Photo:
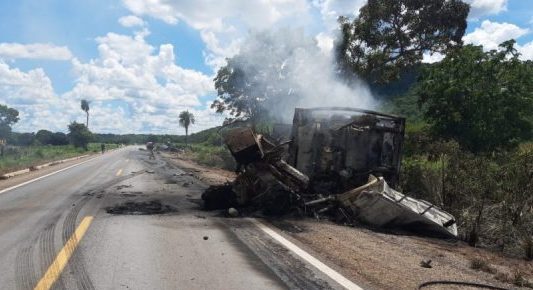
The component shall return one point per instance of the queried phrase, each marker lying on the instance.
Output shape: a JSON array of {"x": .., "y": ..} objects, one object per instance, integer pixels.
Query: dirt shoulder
[
  {"x": 210, "y": 176},
  {"x": 380, "y": 260}
]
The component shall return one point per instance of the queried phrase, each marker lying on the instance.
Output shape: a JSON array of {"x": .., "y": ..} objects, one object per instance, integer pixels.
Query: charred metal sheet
[
  {"x": 243, "y": 145},
  {"x": 281, "y": 132},
  {"x": 378, "y": 204},
  {"x": 264, "y": 176},
  {"x": 347, "y": 144}
]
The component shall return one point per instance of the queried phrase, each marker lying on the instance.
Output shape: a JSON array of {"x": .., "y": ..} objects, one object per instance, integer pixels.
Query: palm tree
[
  {"x": 85, "y": 107},
  {"x": 186, "y": 119}
]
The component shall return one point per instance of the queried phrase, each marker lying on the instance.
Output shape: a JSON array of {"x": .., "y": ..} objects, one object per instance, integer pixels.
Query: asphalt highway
[{"x": 124, "y": 221}]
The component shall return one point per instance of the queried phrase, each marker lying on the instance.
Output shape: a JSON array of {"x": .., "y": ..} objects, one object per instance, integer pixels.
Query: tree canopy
[
  {"x": 8, "y": 117},
  {"x": 274, "y": 72},
  {"x": 390, "y": 36},
  {"x": 46, "y": 137},
  {"x": 85, "y": 108},
  {"x": 79, "y": 135},
  {"x": 482, "y": 99},
  {"x": 186, "y": 119}
]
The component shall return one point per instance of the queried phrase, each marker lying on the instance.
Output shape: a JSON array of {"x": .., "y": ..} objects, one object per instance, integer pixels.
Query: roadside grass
[
  {"x": 217, "y": 156},
  {"x": 16, "y": 158}
]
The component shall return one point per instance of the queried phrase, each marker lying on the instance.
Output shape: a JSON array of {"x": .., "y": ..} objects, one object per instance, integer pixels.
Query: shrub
[
  {"x": 39, "y": 153},
  {"x": 482, "y": 265},
  {"x": 520, "y": 281},
  {"x": 527, "y": 244}
]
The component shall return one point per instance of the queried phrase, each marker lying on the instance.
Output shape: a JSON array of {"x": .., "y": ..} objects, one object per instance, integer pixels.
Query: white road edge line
[
  {"x": 44, "y": 176},
  {"x": 336, "y": 276}
]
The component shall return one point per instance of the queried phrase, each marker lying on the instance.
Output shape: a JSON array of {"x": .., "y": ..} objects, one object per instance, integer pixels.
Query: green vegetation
[
  {"x": 390, "y": 37},
  {"x": 481, "y": 99},
  {"x": 8, "y": 117},
  {"x": 490, "y": 195},
  {"x": 20, "y": 157},
  {"x": 85, "y": 107},
  {"x": 45, "y": 137},
  {"x": 209, "y": 155},
  {"x": 79, "y": 135},
  {"x": 469, "y": 134},
  {"x": 185, "y": 120}
]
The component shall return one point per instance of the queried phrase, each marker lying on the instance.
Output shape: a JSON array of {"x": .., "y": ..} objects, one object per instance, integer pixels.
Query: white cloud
[
  {"x": 34, "y": 51},
  {"x": 432, "y": 57},
  {"x": 24, "y": 86},
  {"x": 491, "y": 34},
  {"x": 486, "y": 7},
  {"x": 133, "y": 87},
  {"x": 154, "y": 8},
  {"x": 131, "y": 21},
  {"x": 136, "y": 87},
  {"x": 148, "y": 88},
  {"x": 331, "y": 10},
  {"x": 526, "y": 50},
  {"x": 223, "y": 24},
  {"x": 31, "y": 93}
]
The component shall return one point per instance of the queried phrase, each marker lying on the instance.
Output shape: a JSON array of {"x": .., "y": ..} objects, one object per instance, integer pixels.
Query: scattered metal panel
[{"x": 377, "y": 204}]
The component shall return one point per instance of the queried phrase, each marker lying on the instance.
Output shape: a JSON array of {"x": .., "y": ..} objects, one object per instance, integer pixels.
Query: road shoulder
[
  {"x": 381, "y": 259},
  {"x": 33, "y": 174}
]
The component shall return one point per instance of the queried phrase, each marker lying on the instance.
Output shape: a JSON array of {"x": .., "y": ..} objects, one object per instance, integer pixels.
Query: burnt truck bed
[{"x": 347, "y": 144}]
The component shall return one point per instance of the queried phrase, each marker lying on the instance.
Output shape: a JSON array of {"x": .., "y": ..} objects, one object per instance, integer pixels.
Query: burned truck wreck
[{"x": 336, "y": 163}]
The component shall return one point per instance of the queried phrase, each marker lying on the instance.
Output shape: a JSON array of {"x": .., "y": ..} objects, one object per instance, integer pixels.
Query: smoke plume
[{"x": 289, "y": 70}]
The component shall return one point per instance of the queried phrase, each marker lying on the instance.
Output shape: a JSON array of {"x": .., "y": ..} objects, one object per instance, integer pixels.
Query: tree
[
  {"x": 390, "y": 36},
  {"x": 79, "y": 135},
  {"x": 8, "y": 117},
  {"x": 481, "y": 99},
  {"x": 58, "y": 138},
  {"x": 185, "y": 120},
  {"x": 272, "y": 73},
  {"x": 44, "y": 137},
  {"x": 85, "y": 107}
]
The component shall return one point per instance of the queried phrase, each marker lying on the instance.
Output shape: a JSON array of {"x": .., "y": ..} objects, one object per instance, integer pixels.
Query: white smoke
[{"x": 292, "y": 71}]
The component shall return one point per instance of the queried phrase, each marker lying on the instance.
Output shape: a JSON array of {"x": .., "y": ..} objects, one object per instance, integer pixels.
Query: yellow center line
[
  {"x": 60, "y": 262},
  {"x": 119, "y": 172}
]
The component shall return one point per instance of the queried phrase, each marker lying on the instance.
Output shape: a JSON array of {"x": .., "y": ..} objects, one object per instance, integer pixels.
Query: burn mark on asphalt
[{"x": 151, "y": 207}]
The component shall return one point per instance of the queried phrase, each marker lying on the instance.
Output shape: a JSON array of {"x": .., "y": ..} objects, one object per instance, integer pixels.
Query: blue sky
[{"x": 141, "y": 62}]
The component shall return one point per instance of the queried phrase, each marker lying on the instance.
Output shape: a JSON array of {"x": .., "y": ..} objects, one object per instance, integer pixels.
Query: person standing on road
[
  {"x": 151, "y": 146},
  {"x": 103, "y": 147}
]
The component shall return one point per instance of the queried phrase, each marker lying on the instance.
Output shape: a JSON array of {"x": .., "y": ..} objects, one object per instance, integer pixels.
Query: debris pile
[{"x": 338, "y": 163}]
